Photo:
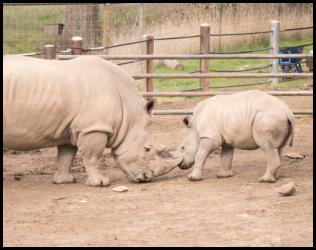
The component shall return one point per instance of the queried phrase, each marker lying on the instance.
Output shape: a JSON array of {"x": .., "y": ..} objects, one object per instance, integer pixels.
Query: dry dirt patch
[{"x": 170, "y": 211}]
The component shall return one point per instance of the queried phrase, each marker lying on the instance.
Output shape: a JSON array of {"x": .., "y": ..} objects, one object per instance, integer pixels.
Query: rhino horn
[
  {"x": 167, "y": 165},
  {"x": 160, "y": 148}
]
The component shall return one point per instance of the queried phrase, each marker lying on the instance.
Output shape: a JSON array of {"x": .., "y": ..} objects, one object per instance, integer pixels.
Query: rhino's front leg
[
  {"x": 206, "y": 147},
  {"x": 92, "y": 146},
  {"x": 65, "y": 155},
  {"x": 226, "y": 162}
]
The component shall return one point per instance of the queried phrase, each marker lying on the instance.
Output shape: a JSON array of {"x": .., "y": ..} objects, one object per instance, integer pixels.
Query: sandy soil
[{"x": 169, "y": 211}]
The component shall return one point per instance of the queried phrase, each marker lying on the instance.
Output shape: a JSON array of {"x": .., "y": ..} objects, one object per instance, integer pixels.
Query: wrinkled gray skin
[
  {"x": 246, "y": 120},
  {"x": 84, "y": 104}
]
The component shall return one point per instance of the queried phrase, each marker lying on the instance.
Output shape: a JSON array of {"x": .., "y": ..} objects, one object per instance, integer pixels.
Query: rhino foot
[
  {"x": 195, "y": 176},
  {"x": 63, "y": 178},
  {"x": 225, "y": 173},
  {"x": 270, "y": 179},
  {"x": 98, "y": 181}
]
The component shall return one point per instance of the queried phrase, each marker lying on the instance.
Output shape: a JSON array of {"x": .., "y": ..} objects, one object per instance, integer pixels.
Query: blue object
[{"x": 291, "y": 64}]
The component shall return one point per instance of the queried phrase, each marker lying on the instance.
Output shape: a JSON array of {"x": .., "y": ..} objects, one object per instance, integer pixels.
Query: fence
[
  {"x": 205, "y": 37},
  {"x": 204, "y": 55}
]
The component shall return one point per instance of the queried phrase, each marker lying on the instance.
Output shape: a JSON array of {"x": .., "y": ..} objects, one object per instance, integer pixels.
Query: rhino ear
[
  {"x": 149, "y": 105},
  {"x": 186, "y": 121}
]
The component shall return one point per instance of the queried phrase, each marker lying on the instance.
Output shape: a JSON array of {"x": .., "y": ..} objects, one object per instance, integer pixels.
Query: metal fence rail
[
  {"x": 241, "y": 52},
  {"x": 293, "y": 29},
  {"x": 175, "y": 37},
  {"x": 242, "y": 33},
  {"x": 31, "y": 54}
]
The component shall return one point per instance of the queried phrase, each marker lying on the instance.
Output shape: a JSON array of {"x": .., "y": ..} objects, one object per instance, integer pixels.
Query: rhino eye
[
  {"x": 182, "y": 147},
  {"x": 147, "y": 148}
]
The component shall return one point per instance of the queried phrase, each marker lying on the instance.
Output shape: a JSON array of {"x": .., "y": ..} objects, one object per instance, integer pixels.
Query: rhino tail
[{"x": 291, "y": 128}]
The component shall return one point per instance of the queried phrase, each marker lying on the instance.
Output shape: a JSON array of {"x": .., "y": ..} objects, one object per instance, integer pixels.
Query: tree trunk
[{"x": 80, "y": 20}]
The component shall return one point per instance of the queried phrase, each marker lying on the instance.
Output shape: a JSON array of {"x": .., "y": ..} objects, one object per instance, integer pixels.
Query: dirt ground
[{"x": 170, "y": 210}]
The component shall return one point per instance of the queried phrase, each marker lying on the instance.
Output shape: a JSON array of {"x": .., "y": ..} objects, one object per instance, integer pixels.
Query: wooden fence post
[
  {"x": 76, "y": 45},
  {"x": 149, "y": 62},
  {"x": 49, "y": 51},
  {"x": 274, "y": 44},
  {"x": 204, "y": 49}
]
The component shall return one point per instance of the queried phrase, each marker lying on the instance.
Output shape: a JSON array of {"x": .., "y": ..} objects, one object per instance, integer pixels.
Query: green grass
[
  {"x": 230, "y": 64},
  {"x": 23, "y": 27}
]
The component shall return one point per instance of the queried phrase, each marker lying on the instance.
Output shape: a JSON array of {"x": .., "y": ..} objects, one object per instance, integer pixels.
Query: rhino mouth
[
  {"x": 144, "y": 177},
  {"x": 184, "y": 165}
]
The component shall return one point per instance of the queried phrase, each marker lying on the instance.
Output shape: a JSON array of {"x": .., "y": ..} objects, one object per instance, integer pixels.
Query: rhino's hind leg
[
  {"x": 274, "y": 162},
  {"x": 65, "y": 155},
  {"x": 92, "y": 146},
  {"x": 206, "y": 147},
  {"x": 269, "y": 132},
  {"x": 226, "y": 162}
]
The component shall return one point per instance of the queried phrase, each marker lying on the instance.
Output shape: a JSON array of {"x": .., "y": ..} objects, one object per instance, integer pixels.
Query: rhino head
[
  {"x": 140, "y": 158},
  {"x": 189, "y": 145}
]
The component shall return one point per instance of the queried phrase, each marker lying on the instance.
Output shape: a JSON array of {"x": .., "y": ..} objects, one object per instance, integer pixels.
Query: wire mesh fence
[{"x": 28, "y": 27}]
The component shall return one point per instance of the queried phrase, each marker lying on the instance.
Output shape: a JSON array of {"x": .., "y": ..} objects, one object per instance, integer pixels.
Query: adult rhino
[
  {"x": 246, "y": 120},
  {"x": 86, "y": 103}
]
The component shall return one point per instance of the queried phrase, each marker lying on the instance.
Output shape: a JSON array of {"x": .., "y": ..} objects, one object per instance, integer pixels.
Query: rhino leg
[
  {"x": 226, "y": 162},
  {"x": 269, "y": 132},
  {"x": 206, "y": 147},
  {"x": 274, "y": 162},
  {"x": 91, "y": 146},
  {"x": 65, "y": 155}
]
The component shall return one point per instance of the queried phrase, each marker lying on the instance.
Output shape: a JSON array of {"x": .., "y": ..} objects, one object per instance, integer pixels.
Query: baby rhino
[{"x": 246, "y": 120}]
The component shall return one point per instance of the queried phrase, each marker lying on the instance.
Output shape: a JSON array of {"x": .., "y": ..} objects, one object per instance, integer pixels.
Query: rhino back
[
  {"x": 232, "y": 116},
  {"x": 48, "y": 102}
]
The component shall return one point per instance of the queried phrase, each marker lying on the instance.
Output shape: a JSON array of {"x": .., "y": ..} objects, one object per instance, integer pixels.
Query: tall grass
[{"x": 168, "y": 20}]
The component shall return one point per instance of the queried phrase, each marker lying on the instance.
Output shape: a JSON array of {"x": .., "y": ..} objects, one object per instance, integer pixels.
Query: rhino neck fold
[{"x": 127, "y": 135}]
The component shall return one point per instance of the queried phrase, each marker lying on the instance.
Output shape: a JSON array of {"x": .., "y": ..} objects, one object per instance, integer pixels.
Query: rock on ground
[
  {"x": 120, "y": 189},
  {"x": 287, "y": 189}
]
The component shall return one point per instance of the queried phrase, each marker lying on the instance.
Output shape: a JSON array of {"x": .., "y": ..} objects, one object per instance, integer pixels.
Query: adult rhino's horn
[
  {"x": 175, "y": 161},
  {"x": 168, "y": 165},
  {"x": 174, "y": 154},
  {"x": 161, "y": 147},
  {"x": 163, "y": 150}
]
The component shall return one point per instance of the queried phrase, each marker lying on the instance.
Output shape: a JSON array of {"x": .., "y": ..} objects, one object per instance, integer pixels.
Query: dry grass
[
  {"x": 24, "y": 32},
  {"x": 168, "y": 20},
  {"x": 165, "y": 20}
]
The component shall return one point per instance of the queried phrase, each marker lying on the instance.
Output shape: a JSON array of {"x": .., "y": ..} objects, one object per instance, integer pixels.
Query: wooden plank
[
  {"x": 205, "y": 56},
  {"x": 190, "y": 112},
  {"x": 222, "y": 75},
  {"x": 195, "y": 94}
]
